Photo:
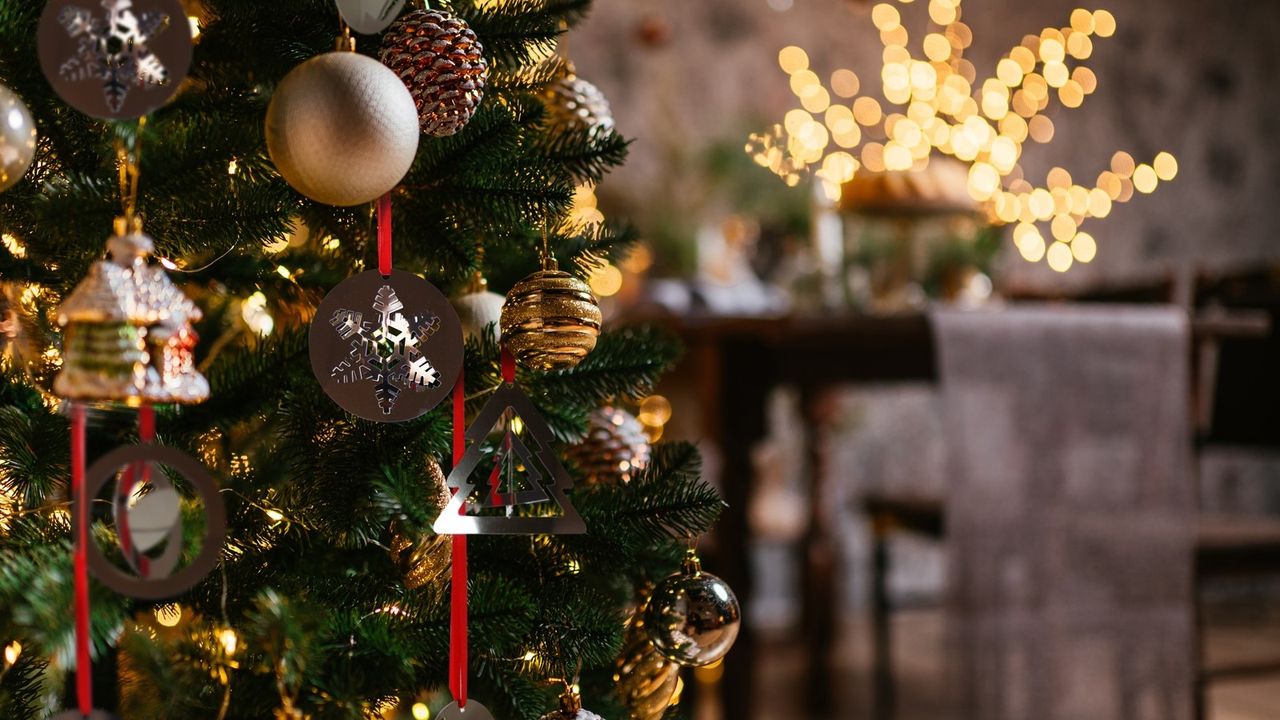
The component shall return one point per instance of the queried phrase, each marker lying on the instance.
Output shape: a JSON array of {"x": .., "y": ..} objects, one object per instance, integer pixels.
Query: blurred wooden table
[{"x": 735, "y": 363}]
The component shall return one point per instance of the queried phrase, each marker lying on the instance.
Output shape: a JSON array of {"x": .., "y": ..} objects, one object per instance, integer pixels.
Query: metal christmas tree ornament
[
  {"x": 115, "y": 59},
  {"x": 472, "y": 711},
  {"x": 17, "y": 138},
  {"x": 370, "y": 17},
  {"x": 525, "y": 486},
  {"x": 387, "y": 349},
  {"x": 151, "y": 519},
  {"x": 693, "y": 617}
]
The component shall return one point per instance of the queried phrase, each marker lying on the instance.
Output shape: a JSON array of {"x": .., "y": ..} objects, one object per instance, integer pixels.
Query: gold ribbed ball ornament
[
  {"x": 615, "y": 447},
  {"x": 551, "y": 320},
  {"x": 426, "y": 559},
  {"x": 693, "y": 617},
  {"x": 17, "y": 138},
  {"x": 342, "y": 129},
  {"x": 442, "y": 63},
  {"x": 644, "y": 680},
  {"x": 575, "y": 104}
]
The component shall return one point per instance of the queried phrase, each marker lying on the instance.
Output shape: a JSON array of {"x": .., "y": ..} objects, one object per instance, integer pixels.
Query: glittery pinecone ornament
[
  {"x": 575, "y": 104},
  {"x": 429, "y": 557},
  {"x": 644, "y": 680},
  {"x": 442, "y": 63},
  {"x": 614, "y": 449}
]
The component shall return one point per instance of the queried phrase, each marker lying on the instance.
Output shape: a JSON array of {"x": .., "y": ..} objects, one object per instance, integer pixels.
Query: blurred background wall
[{"x": 689, "y": 79}]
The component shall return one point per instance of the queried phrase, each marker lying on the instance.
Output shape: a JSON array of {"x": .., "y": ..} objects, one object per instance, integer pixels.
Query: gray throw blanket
[{"x": 1071, "y": 512}]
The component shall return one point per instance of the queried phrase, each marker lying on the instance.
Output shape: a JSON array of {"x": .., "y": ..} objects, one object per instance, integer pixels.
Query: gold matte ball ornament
[
  {"x": 551, "y": 320},
  {"x": 342, "y": 129}
]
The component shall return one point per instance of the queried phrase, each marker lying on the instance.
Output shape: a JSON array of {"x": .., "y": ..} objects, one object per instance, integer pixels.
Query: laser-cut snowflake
[
  {"x": 389, "y": 353},
  {"x": 114, "y": 48}
]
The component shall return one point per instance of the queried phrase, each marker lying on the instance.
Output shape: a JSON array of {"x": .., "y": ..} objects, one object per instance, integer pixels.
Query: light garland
[{"x": 986, "y": 125}]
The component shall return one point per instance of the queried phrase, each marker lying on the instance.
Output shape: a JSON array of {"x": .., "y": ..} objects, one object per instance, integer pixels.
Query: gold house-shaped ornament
[{"x": 128, "y": 332}]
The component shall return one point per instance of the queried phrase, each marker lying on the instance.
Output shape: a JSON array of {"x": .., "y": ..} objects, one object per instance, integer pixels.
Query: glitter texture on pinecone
[
  {"x": 442, "y": 63},
  {"x": 576, "y": 104},
  {"x": 614, "y": 449}
]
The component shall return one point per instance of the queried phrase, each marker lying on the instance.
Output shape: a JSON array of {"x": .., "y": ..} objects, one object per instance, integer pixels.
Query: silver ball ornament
[
  {"x": 342, "y": 129},
  {"x": 693, "y": 617},
  {"x": 17, "y": 139}
]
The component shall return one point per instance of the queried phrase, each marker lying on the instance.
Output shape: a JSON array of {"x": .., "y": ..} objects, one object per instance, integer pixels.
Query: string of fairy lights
[{"x": 935, "y": 103}]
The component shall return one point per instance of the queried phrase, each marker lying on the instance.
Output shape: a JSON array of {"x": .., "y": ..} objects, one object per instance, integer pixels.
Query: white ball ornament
[
  {"x": 342, "y": 129},
  {"x": 479, "y": 309}
]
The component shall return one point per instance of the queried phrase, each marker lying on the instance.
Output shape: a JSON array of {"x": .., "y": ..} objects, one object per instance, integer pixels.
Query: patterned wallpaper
[{"x": 1195, "y": 78}]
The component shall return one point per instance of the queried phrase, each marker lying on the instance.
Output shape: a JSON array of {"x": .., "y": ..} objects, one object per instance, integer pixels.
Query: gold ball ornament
[
  {"x": 428, "y": 558},
  {"x": 693, "y": 617},
  {"x": 644, "y": 680},
  {"x": 342, "y": 129},
  {"x": 614, "y": 449},
  {"x": 17, "y": 139},
  {"x": 442, "y": 63},
  {"x": 551, "y": 320}
]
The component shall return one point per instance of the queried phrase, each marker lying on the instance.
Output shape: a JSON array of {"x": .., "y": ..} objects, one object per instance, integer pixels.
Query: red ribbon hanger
[
  {"x": 384, "y": 235},
  {"x": 458, "y": 599},
  {"x": 82, "y": 517}
]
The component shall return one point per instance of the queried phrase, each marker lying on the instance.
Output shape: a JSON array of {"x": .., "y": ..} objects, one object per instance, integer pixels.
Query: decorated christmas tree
[{"x": 237, "y": 169}]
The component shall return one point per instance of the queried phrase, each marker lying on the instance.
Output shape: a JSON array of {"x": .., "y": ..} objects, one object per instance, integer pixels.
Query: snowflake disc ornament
[
  {"x": 386, "y": 349},
  {"x": 115, "y": 59}
]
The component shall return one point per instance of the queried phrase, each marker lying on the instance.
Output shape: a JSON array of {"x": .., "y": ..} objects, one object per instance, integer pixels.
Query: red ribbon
[
  {"x": 384, "y": 235},
  {"x": 458, "y": 597},
  {"x": 84, "y": 668},
  {"x": 508, "y": 367},
  {"x": 139, "y": 473},
  {"x": 80, "y": 558}
]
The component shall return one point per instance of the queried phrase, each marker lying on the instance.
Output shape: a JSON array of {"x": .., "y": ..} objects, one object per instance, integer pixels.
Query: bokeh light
[{"x": 932, "y": 102}]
